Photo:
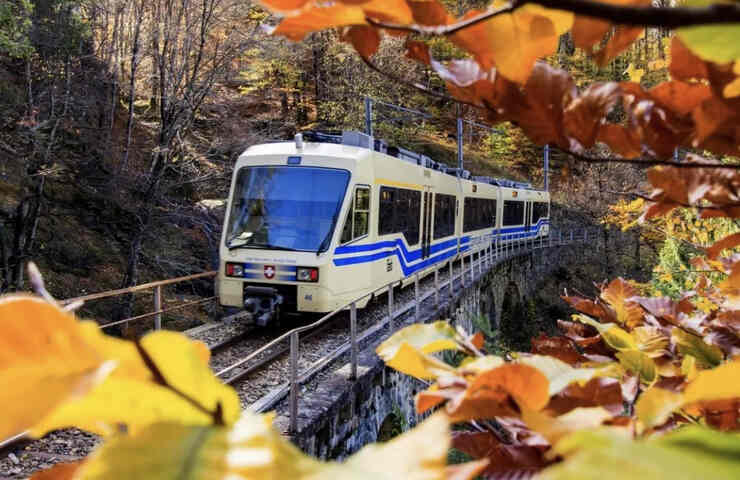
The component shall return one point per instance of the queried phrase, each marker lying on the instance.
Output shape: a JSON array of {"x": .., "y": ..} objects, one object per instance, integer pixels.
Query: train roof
[
  {"x": 358, "y": 139},
  {"x": 366, "y": 142}
]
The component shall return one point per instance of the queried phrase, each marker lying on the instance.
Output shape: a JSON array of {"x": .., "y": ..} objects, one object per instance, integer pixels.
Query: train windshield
[{"x": 286, "y": 208}]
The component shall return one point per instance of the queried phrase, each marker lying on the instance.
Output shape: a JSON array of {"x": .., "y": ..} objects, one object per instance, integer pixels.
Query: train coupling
[{"x": 262, "y": 303}]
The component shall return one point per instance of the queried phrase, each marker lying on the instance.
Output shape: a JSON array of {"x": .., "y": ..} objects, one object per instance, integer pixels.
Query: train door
[
  {"x": 426, "y": 231},
  {"x": 527, "y": 217}
]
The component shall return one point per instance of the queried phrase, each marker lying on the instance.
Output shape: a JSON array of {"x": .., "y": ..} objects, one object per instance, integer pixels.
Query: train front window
[{"x": 286, "y": 208}]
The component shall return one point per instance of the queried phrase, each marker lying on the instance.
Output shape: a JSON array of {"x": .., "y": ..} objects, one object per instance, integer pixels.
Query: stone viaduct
[{"x": 337, "y": 415}]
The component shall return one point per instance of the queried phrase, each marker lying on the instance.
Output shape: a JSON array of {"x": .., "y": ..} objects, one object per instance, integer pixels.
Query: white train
[{"x": 313, "y": 225}]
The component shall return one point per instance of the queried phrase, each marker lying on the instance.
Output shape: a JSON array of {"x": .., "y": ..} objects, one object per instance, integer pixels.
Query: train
[{"x": 315, "y": 223}]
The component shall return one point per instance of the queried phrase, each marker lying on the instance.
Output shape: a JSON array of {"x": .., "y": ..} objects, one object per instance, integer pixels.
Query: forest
[{"x": 120, "y": 124}]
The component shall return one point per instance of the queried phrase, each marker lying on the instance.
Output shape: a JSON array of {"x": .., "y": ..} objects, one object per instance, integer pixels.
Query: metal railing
[
  {"x": 498, "y": 249},
  {"x": 157, "y": 287}
]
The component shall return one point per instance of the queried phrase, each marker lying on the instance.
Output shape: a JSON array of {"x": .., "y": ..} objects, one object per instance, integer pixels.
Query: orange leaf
[
  {"x": 617, "y": 294},
  {"x": 60, "y": 471},
  {"x": 622, "y": 38},
  {"x": 730, "y": 241},
  {"x": 498, "y": 392},
  {"x": 365, "y": 39},
  {"x": 283, "y": 6},
  {"x": 684, "y": 64},
  {"x": 319, "y": 18}
]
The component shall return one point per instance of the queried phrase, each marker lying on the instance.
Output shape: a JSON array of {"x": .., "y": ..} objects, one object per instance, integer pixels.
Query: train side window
[
  {"x": 356, "y": 223},
  {"x": 478, "y": 213},
  {"x": 400, "y": 212},
  {"x": 386, "y": 210},
  {"x": 444, "y": 215},
  {"x": 513, "y": 212},
  {"x": 539, "y": 210}
]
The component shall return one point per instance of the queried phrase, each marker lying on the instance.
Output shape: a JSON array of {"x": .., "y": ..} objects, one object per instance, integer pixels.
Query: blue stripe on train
[{"x": 404, "y": 256}]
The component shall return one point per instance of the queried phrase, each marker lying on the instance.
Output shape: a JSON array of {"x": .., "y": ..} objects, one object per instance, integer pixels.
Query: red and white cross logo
[{"x": 269, "y": 271}]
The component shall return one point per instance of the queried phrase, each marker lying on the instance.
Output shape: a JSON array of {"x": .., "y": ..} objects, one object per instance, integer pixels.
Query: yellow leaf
[
  {"x": 405, "y": 350},
  {"x": 656, "y": 405},
  {"x": 558, "y": 373},
  {"x": 687, "y": 454},
  {"x": 411, "y": 361},
  {"x": 252, "y": 449},
  {"x": 688, "y": 367},
  {"x": 640, "y": 364},
  {"x": 44, "y": 361},
  {"x": 554, "y": 428},
  {"x": 512, "y": 42},
  {"x": 614, "y": 336},
  {"x": 706, "y": 355},
  {"x": 127, "y": 398},
  {"x": 651, "y": 341},
  {"x": 720, "y": 383},
  {"x": 480, "y": 364},
  {"x": 634, "y": 74}
]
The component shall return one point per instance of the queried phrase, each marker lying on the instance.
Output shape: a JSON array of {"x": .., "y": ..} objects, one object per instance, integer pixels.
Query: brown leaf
[
  {"x": 365, "y": 39},
  {"x": 684, "y": 64},
  {"x": 598, "y": 392},
  {"x": 722, "y": 414},
  {"x": 512, "y": 461},
  {"x": 584, "y": 115},
  {"x": 730, "y": 241},
  {"x": 429, "y": 12},
  {"x": 561, "y": 348},
  {"x": 680, "y": 97},
  {"x": 418, "y": 51},
  {"x": 621, "y": 38},
  {"x": 621, "y": 140}
]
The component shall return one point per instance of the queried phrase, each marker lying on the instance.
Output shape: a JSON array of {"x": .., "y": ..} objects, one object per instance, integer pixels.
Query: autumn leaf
[
  {"x": 365, "y": 39},
  {"x": 60, "y": 471},
  {"x": 555, "y": 428},
  {"x": 687, "y": 343},
  {"x": 559, "y": 374},
  {"x": 512, "y": 42},
  {"x": 730, "y": 241},
  {"x": 504, "y": 460},
  {"x": 618, "y": 294},
  {"x": 597, "y": 392},
  {"x": 640, "y": 364},
  {"x": 684, "y": 64},
  {"x": 500, "y": 392},
  {"x": 192, "y": 394},
  {"x": 716, "y": 43},
  {"x": 318, "y": 16},
  {"x": 253, "y": 449},
  {"x": 710, "y": 386},
  {"x": 406, "y": 349},
  {"x": 615, "y": 337},
  {"x": 687, "y": 454},
  {"x": 46, "y": 365}
]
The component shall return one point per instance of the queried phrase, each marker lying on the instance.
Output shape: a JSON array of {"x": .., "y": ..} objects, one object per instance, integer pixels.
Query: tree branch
[
  {"x": 415, "y": 85},
  {"x": 619, "y": 14},
  {"x": 650, "y": 162}
]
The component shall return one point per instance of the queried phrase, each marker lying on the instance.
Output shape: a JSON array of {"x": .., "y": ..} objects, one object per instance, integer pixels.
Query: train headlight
[
  {"x": 307, "y": 274},
  {"x": 234, "y": 270}
]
